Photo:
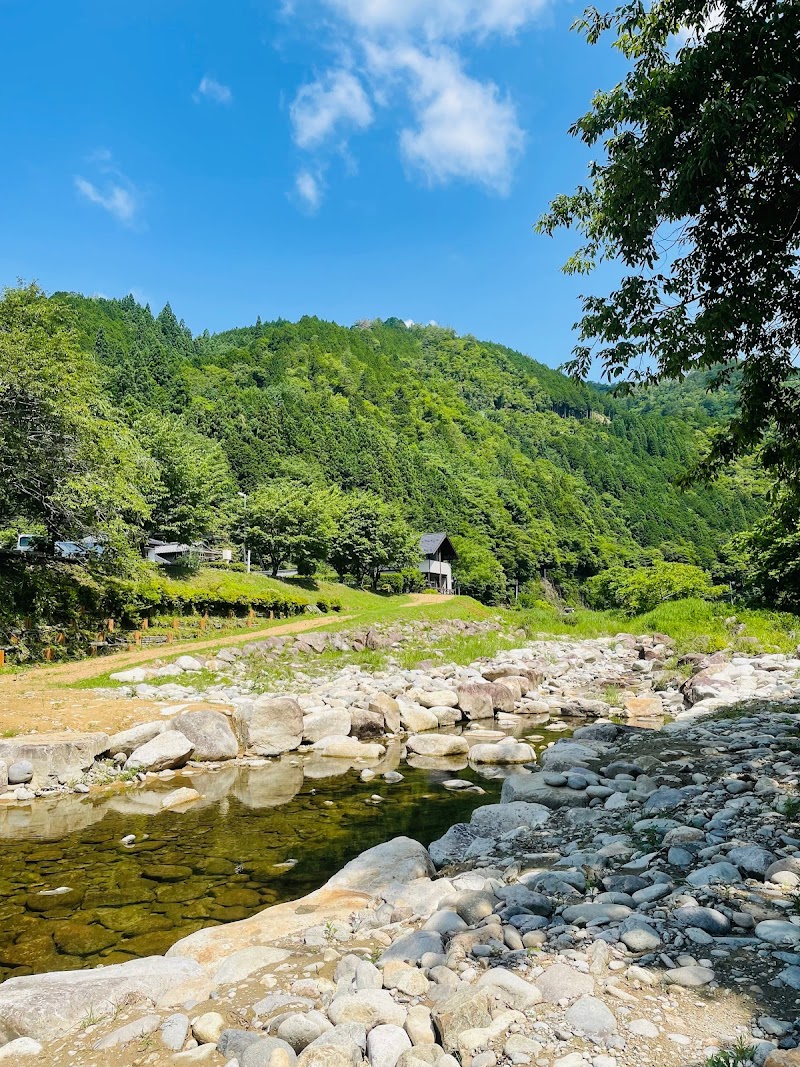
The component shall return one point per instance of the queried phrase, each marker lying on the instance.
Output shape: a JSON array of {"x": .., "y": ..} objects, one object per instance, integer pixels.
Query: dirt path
[{"x": 39, "y": 699}]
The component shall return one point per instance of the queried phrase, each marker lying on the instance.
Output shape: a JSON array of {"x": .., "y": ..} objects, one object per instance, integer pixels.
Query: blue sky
[{"x": 343, "y": 158}]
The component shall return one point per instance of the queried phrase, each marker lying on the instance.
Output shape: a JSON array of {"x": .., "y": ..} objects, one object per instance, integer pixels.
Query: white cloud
[
  {"x": 309, "y": 189},
  {"x": 694, "y": 34},
  {"x": 463, "y": 128},
  {"x": 325, "y": 107},
  {"x": 118, "y": 201},
  {"x": 438, "y": 19},
  {"x": 211, "y": 89},
  {"x": 403, "y": 55}
]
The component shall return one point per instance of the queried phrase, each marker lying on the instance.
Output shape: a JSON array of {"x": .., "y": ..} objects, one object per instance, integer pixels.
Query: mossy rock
[
  {"x": 79, "y": 939},
  {"x": 167, "y": 872},
  {"x": 237, "y": 898},
  {"x": 214, "y": 866},
  {"x": 133, "y": 893},
  {"x": 229, "y": 915},
  {"x": 180, "y": 893},
  {"x": 132, "y": 920},
  {"x": 152, "y": 944},
  {"x": 36, "y": 951},
  {"x": 47, "y": 901}
]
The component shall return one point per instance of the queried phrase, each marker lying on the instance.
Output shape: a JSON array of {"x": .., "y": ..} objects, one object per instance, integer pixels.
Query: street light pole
[{"x": 245, "y": 549}]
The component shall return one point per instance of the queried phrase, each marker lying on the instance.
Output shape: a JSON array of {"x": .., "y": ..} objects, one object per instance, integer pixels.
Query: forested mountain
[{"x": 464, "y": 435}]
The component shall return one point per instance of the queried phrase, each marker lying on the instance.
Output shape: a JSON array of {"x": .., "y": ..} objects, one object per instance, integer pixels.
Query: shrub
[
  {"x": 640, "y": 589},
  {"x": 390, "y": 582}
]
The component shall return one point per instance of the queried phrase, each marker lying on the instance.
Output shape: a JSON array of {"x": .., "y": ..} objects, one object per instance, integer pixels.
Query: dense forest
[{"x": 548, "y": 475}]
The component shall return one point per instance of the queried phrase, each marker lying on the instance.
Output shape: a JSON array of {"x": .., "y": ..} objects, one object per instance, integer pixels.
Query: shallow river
[{"x": 260, "y": 836}]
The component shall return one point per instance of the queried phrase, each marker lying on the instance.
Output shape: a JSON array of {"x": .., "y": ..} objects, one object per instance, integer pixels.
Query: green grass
[{"x": 695, "y": 626}]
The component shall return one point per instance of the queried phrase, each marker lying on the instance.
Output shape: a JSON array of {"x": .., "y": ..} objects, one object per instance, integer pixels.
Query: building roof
[{"x": 431, "y": 543}]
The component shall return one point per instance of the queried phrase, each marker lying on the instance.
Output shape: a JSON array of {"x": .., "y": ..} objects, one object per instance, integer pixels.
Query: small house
[{"x": 437, "y": 554}]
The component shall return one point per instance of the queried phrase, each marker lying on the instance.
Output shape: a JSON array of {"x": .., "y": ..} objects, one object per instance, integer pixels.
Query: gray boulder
[
  {"x": 128, "y": 740},
  {"x": 564, "y": 755},
  {"x": 210, "y": 733},
  {"x": 165, "y": 751},
  {"x": 476, "y": 700},
  {"x": 269, "y": 725},
  {"x": 534, "y": 789},
  {"x": 63, "y": 756},
  {"x": 590, "y": 1017},
  {"x": 398, "y": 860}
]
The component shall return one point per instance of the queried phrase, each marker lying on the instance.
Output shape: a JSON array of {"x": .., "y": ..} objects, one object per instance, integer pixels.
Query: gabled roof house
[{"x": 437, "y": 554}]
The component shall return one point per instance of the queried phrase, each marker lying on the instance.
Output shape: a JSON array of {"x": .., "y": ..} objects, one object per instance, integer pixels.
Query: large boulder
[
  {"x": 564, "y": 755},
  {"x": 508, "y": 751},
  {"x": 325, "y": 723},
  {"x": 165, "y": 751},
  {"x": 399, "y": 860},
  {"x": 127, "y": 740},
  {"x": 476, "y": 700},
  {"x": 47, "y": 1006},
  {"x": 269, "y": 725},
  {"x": 365, "y": 723},
  {"x": 416, "y": 718},
  {"x": 534, "y": 789},
  {"x": 63, "y": 756},
  {"x": 386, "y": 705},
  {"x": 347, "y": 748},
  {"x": 437, "y": 745},
  {"x": 434, "y": 698},
  {"x": 493, "y": 820},
  {"x": 210, "y": 733}
]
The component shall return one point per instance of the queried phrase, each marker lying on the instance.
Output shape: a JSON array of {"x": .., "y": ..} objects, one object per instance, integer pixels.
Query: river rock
[
  {"x": 492, "y": 820},
  {"x": 269, "y": 725},
  {"x": 690, "y": 977},
  {"x": 210, "y": 733},
  {"x": 365, "y": 723},
  {"x": 326, "y": 723},
  {"x": 778, "y": 932},
  {"x": 437, "y": 744},
  {"x": 46, "y": 1006},
  {"x": 468, "y": 1009},
  {"x": 534, "y": 789},
  {"x": 180, "y": 798},
  {"x": 590, "y": 1017},
  {"x": 399, "y": 860},
  {"x": 128, "y": 740},
  {"x": 63, "y": 756},
  {"x": 386, "y": 705},
  {"x": 347, "y": 748},
  {"x": 386, "y": 1044},
  {"x": 166, "y": 750},
  {"x": 564, "y": 755},
  {"x": 415, "y": 718},
  {"x": 20, "y": 1048},
  {"x": 562, "y": 982},
  {"x": 508, "y": 751},
  {"x": 476, "y": 700},
  {"x": 447, "y": 698},
  {"x": 20, "y": 772},
  {"x": 369, "y": 1007}
]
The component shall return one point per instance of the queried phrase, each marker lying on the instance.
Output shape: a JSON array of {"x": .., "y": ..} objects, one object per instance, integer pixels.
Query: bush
[
  {"x": 391, "y": 582},
  {"x": 413, "y": 580},
  {"x": 639, "y": 589}
]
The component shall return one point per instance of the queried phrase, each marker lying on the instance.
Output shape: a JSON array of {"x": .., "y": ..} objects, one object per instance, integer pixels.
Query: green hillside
[{"x": 464, "y": 435}]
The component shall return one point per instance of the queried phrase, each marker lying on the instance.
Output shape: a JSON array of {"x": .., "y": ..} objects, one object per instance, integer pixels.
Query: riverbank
[{"x": 631, "y": 900}]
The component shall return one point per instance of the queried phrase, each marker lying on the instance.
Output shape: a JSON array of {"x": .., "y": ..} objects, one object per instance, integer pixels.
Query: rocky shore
[{"x": 632, "y": 901}]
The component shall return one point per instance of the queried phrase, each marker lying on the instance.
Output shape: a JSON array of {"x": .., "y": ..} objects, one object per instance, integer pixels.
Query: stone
[
  {"x": 20, "y": 772},
  {"x": 640, "y": 938},
  {"x": 400, "y": 860},
  {"x": 643, "y": 1028},
  {"x": 325, "y": 1053},
  {"x": 446, "y": 698},
  {"x": 468, "y": 1009},
  {"x": 386, "y": 705},
  {"x": 128, "y": 740},
  {"x": 46, "y": 1006},
  {"x": 210, "y": 733},
  {"x": 386, "y": 1044},
  {"x": 663, "y": 799},
  {"x": 180, "y": 798},
  {"x": 269, "y": 726},
  {"x": 437, "y": 744},
  {"x": 508, "y": 987},
  {"x": 564, "y": 755},
  {"x": 590, "y": 1017},
  {"x": 63, "y": 756},
  {"x": 174, "y": 1031},
  {"x": 324, "y": 723},
  {"x": 347, "y": 748},
  {"x": 492, "y": 820},
  {"x": 415, "y": 718},
  {"x": 534, "y": 789},
  {"x": 476, "y": 700},
  {"x": 130, "y": 1032},
  {"x": 690, "y": 977},
  {"x": 300, "y": 1030},
  {"x": 783, "y": 1058},
  {"x": 369, "y": 1007},
  {"x": 508, "y": 751},
  {"x": 752, "y": 860},
  {"x": 562, "y": 982},
  {"x": 208, "y": 1027},
  {"x": 20, "y": 1048},
  {"x": 365, "y": 723},
  {"x": 413, "y": 946},
  {"x": 778, "y": 932},
  {"x": 419, "y": 1025},
  {"x": 708, "y": 919},
  {"x": 165, "y": 751},
  {"x": 714, "y": 874},
  {"x": 267, "y": 1052},
  {"x": 233, "y": 1043}
]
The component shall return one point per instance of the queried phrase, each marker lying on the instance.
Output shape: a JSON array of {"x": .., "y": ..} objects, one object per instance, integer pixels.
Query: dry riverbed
[{"x": 632, "y": 900}]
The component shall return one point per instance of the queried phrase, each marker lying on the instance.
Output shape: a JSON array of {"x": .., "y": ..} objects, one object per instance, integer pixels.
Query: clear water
[{"x": 221, "y": 860}]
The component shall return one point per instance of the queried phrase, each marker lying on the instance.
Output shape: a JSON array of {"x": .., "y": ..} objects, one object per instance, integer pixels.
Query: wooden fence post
[{"x": 2, "y": 657}]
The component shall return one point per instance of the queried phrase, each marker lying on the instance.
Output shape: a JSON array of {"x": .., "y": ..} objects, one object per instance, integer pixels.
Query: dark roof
[{"x": 430, "y": 543}]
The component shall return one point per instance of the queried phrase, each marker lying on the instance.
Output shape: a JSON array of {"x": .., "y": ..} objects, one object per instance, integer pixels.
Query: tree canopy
[{"x": 696, "y": 195}]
